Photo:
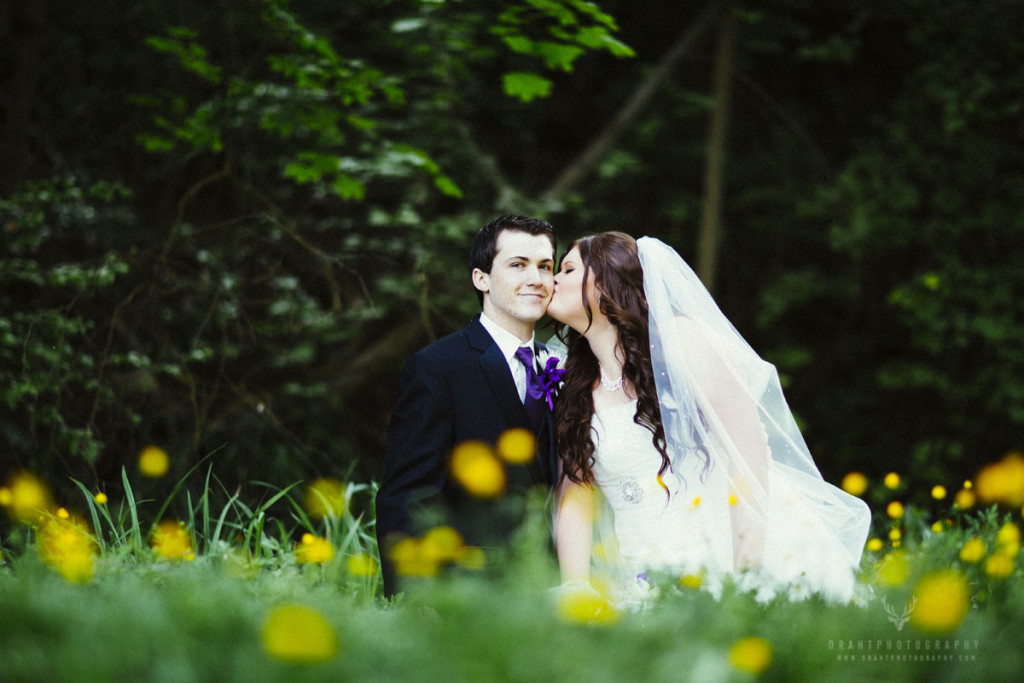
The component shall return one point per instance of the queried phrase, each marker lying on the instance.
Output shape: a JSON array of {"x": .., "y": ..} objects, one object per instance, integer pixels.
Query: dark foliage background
[{"x": 226, "y": 225}]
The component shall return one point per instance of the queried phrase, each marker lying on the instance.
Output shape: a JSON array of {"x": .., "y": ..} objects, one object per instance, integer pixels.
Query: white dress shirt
[{"x": 509, "y": 344}]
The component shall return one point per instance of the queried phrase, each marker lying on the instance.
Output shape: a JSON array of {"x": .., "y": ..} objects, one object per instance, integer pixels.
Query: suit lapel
[{"x": 495, "y": 369}]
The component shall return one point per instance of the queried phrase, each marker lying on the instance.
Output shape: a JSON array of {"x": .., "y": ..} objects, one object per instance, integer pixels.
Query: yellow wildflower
[
  {"x": 895, "y": 534},
  {"x": 471, "y": 557},
  {"x": 892, "y": 480},
  {"x": 154, "y": 462},
  {"x": 325, "y": 497},
  {"x": 938, "y": 492},
  {"x": 361, "y": 565},
  {"x": 478, "y": 471},
  {"x": 1000, "y": 565},
  {"x": 1002, "y": 482},
  {"x": 943, "y": 599},
  {"x": 441, "y": 544},
  {"x": 893, "y": 569},
  {"x": 875, "y": 544},
  {"x": 1008, "y": 539},
  {"x": 517, "y": 446},
  {"x": 691, "y": 581},
  {"x": 938, "y": 527},
  {"x": 409, "y": 559},
  {"x": 964, "y": 499},
  {"x": 894, "y": 509},
  {"x": 100, "y": 498},
  {"x": 855, "y": 483},
  {"x": 973, "y": 550},
  {"x": 27, "y": 497},
  {"x": 172, "y": 541},
  {"x": 68, "y": 546},
  {"x": 751, "y": 654},
  {"x": 299, "y": 634},
  {"x": 314, "y": 550},
  {"x": 586, "y": 606}
]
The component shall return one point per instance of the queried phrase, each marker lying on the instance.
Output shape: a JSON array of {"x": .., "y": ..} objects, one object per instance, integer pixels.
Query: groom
[{"x": 471, "y": 385}]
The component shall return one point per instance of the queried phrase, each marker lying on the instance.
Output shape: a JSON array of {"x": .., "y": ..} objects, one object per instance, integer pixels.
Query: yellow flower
[
  {"x": 100, "y": 498},
  {"x": 964, "y": 499},
  {"x": 751, "y": 654},
  {"x": 1008, "y": 539},
  {"x": 943, "y": 599},
  {"x": 586, "y": 606},
  {"x": 893, "y": 569},
  {"x": 154, "y": 462},
  {"x": 696, "y": 501},
  {"x": 1002, "y": 482},
  {"x": 892, "y": 480},
  {"x": 441, "y": 544},
  {"x": 855, "y": 483},
  {"x": 895, "y": 534},
  {"x": 362, "y": 565},
  {"x": 409, "y": 559},
  {"x": 938, "y": 492},
  {"x": 299, "y": 634},
  {"x": 973, "y": 550},
  {"x": 27, "y": 497},
  {"x": 171, "y": 541},
  {"x": 691, "y": 581},
  {"x": 314, "y": 550},
  {"x": 938, "y": 527},
  {"x": 968, "y": 484},
  {"x": 875, "y": 544},
  {"x": 517, "y": 446},
  {"x": 325, "y": 497},
  {"x": 68, "y": 546},
  {"x": 477, "y": 470},
  {"x": 894, "y": 509},
  {"x": 471, "y": 557},
  {"x": 1000, "y": 565}
]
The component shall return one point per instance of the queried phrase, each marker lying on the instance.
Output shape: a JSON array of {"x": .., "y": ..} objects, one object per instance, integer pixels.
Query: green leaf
[
  {"x": 448, "y": 186},
  {"x": 348, "y": 187},
  {"x": 526, "y": 86}
]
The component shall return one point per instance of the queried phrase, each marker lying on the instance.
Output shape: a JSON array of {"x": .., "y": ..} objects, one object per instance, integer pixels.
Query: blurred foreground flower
[
  {"x": 299, "y": 634},
  {"x": 875, "y": 544},
  {"x": 172, "y": 541},
  {"x": 581, "y": 604},
  {"x": 361, "y": 565},
  {"x": 314, "y": 550},
  {"x": 517, "y": 446},
  {"x": 892, "y": 480},
  {"x": 1008, "y": 539},
  {"x": 973, "y": 550},
  {"x": 752, "y": 655},
  {"x": 894, "y": 509},
  {"x": 427, "y": 555},
  {"x": 27, "y": 497},
  {"x": 938, "y": 492},
  {"x": 154, "y": 462},
  {"x": 943, "y": 599},
  {"x": 1000, "y": 565},
  {"x": 855, "y": 483},
  {"x": 964, "y": 499},
  {"x": 68, "y": 546},
  {"x": 1002, "y": 482},
  {"x": 476, "y": 468},
  {"x": 893, "y": 569},
  {"x": 325, "y": 497}
]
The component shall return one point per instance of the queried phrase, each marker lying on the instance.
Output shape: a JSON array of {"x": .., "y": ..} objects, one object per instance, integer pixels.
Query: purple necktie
[{"x": 534, "y": 401}]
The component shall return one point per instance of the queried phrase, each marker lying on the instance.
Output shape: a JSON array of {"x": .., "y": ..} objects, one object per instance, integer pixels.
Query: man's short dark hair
[{"x": 485, "y": 244}]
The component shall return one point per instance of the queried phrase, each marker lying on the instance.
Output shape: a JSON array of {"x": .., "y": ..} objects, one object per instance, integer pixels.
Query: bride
[{"x": 678, "y": 451}]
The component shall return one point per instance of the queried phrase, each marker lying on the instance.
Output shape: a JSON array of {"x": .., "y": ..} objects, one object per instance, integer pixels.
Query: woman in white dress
[{"x": 675, "y": 433}]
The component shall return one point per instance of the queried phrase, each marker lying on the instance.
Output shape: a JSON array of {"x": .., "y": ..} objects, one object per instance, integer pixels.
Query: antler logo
[{"x": 902, "y": 618}]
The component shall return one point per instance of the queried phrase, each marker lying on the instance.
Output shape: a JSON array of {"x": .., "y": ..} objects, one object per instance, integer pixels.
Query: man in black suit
[{"x": 471, "y": 385}]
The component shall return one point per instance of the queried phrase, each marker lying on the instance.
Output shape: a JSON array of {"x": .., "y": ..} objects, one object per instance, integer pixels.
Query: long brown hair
[{"x": 611, "y": 259}]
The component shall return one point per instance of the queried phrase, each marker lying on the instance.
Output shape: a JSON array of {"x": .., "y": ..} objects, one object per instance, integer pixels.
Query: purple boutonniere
[{"x": 549, "y": 379}]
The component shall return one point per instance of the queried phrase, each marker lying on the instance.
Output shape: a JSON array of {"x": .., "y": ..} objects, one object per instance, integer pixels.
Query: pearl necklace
[{"x": 611, "y": 385}]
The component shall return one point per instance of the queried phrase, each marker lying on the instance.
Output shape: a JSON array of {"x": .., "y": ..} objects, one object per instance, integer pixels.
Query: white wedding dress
[{"x": 686, "y": 523}]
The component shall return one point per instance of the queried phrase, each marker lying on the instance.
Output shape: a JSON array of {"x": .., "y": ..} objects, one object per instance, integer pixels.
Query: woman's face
[{"x": 566, "y": 304}]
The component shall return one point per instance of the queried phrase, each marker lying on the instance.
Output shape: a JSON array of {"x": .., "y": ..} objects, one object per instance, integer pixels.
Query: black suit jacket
[{"x": 457, "y": 389}]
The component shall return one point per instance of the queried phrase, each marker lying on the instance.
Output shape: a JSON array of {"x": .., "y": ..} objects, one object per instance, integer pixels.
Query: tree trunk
[
  {"x": 714, "y": 178},
  {"x": 583, "y": 164}
]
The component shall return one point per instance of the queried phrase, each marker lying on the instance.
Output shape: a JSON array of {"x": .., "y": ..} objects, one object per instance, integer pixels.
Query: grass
[{"x": 240, "y": 604}]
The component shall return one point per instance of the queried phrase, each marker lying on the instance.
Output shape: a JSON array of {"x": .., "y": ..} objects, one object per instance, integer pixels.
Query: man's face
[{"x": 518, "y": 288}]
